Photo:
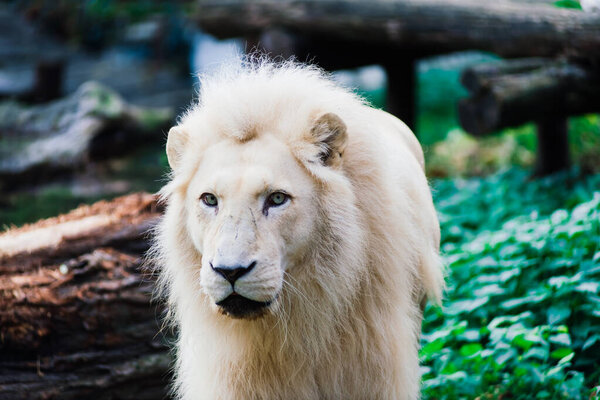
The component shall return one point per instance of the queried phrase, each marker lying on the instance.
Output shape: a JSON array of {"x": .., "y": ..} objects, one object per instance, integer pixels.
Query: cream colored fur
[{"x": 346, "y": 262}]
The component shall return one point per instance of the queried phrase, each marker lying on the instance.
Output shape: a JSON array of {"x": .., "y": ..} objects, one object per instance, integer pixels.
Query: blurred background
[{"x": 503, "y": 97}]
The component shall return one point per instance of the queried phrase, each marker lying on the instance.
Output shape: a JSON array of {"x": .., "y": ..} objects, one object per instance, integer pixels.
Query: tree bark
[
  {"x": 503, "y": 98},
  {"x": 510, "y": 29},
  {"x": 76, "y": 319}
]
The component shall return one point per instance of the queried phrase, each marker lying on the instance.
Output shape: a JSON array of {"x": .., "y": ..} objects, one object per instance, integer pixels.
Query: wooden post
[
  {"x": 553, "y": 145},
  {"x": 333, "y": 55},
  {"x": 401, "y": 89},
  {"x": 48, "y": 80}
]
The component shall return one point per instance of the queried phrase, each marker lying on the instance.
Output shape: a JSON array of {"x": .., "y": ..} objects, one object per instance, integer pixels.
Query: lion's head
[
  {"x": 251, "y": 209},
  {"x": 250, "y": 189}
]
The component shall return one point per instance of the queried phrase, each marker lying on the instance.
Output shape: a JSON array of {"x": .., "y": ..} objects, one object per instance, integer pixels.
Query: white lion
[{"x": 299, "y": 241}]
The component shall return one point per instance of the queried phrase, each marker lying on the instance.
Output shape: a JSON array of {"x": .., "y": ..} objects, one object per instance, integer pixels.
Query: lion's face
[{"x": 251, "y": 214}]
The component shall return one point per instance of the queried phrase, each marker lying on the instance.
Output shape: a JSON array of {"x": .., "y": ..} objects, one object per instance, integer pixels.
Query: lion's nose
[{"x": 233, "y": 273}]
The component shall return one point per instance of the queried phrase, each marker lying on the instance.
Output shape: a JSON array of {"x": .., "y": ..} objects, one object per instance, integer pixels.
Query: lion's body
[{"x": 346, "y": 321}]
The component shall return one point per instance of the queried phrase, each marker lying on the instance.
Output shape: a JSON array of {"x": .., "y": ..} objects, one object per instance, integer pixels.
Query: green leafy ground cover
[{"x": 521, "y": 318}]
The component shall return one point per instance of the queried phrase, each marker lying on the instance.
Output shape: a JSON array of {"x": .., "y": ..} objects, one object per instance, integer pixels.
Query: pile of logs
[
  {"x": 545, "y": 91},
  {"x": 76, "y": 318},
  {"x": 513, "y": 92}
]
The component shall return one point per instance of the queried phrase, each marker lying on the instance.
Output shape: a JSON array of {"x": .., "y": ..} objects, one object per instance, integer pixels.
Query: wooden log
[
  {"x": 556, "y": 89},
  {"x": 40, "y": 142},
  {"x": 510, "y": 29},
  {"x": 480, "y": 76},
  {"x": 75, "y": 314}
]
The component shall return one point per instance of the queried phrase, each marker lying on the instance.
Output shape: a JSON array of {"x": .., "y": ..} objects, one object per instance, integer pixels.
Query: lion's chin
[{"x": 240, "y": 307}]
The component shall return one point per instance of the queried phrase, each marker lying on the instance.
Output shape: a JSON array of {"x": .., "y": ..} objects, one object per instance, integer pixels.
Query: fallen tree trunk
[
  {"x": 510, "y": 29},
  {"x": 511, "y": 93},
  {"x": 94, "y": 123},
  {"x": 75, "y": 314}
]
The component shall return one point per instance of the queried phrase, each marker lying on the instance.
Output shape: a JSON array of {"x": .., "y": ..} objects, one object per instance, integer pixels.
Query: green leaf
[
  {"x": 558, "y": 313},
  {"x": 523, "y": 286},
  {"x": 470, "y": 335},
  {"x": 489, "y": 290},
  {"x": 538, "y": 353},
  {"x": 503, "y": 357},
  {"x": 471, "y": 349},
  {"x": 592, "y": 340},
  {"x": 456, "y": 376},
  {"x": 566, "y": 359},
  {"x": 522, "y": 341},
  {"x": 559, "y": 216},
  {"x": 507, "y": 321},
  {"x": 527, "y": 300},
  {"x": 562, "y": 339},
  {"x": 561, "y": 353},
  {"x": 543, "y": 394},
  {"x": 432, "y": 348},
  {"x": 588, "y": 287},
  {"x": 466, "y": 306}
]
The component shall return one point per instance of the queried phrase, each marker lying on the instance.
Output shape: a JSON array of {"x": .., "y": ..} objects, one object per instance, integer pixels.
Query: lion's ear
[
  {"x": 176, "y": 144},
  {"x": 329, "y": 133}
]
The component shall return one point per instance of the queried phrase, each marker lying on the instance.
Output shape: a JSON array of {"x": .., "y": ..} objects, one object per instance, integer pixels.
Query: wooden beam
[{"x": 510, "y": 29}]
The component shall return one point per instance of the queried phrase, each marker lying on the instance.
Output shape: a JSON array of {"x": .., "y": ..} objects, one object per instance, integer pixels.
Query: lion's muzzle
[
  {"x": 241, "y": 269},
  {"x": 236, "y": 305}
]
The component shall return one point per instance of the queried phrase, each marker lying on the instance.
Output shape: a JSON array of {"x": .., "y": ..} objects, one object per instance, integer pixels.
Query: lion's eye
[
  {"x": 276, "y": 199},
  {"x": 209, "y": 199}
]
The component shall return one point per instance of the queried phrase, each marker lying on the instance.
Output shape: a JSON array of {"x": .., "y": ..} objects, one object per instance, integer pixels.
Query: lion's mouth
[{"x": 238, "y": 306}]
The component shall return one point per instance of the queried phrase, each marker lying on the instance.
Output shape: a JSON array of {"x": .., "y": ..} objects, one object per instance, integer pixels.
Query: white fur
[{"x": 347, "y": 262}]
